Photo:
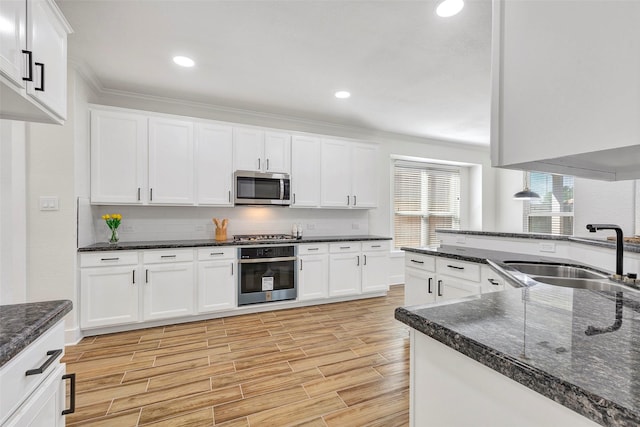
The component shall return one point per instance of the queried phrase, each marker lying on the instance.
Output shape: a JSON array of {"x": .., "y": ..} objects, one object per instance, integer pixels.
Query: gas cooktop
[{"x": 263, "y": 237}]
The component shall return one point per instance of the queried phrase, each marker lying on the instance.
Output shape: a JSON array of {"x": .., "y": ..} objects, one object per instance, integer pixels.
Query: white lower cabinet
[
  {"x": 429, "y": 280},
  {"x": 313, "y": 272},
  {"x": 216, "y": 280},
  {"x": 168, "y": 284},
  {"x": 375, "y": 266},
  {"x": 358, "y": 267},
  {"x": 36, "y": 399},
  {"x": 109, "y": 289}
]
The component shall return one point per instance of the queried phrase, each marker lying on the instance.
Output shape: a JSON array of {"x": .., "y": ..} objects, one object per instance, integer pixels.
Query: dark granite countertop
[
  {"x": 161, "y": 244},
  {"x": 22, "y": 324},
  {"x": 603, "y": 242},
  {"x": 577, "y": 347}
]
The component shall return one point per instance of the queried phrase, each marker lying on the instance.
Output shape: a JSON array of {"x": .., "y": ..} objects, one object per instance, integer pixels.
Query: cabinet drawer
[
  {"x": 490, "y": 280},
  {"x": 336, "y": 248},
  {"x": 461, "y": 269},
  {"x": 217, "y": 252},
  {"x": 15, "y": 385},
  {"x": 312, "y": 249},
  {"x": 108, "y": 259},
  {"x": 155, "y": 257},
  {"x": 419, "y": 261},
  {"x": 375, "y": 246}
]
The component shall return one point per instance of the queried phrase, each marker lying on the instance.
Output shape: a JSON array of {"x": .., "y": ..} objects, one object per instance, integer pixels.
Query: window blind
[
  {"x": 553, "y": 212},
  {"x": 426, "y": 197}
]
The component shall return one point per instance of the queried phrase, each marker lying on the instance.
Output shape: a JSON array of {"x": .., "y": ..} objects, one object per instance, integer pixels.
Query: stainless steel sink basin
[
  {"x": 555, "y": 271},
  {"x": 594, "y": 285}
]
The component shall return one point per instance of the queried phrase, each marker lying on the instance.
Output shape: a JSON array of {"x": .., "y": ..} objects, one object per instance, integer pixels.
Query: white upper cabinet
[
  {"x": 277, "y": 152},
  {"x": 348, "y": 174},
  {"x": 33, "y": 61},
  {"x": 305, "y": 171},
  {"x": 260, "y": 151},
  {"x": 118, "y": 157},
  {"x": 565, "y": 95},
  {"x": 214, "y": 168},
  {"x": 171, "y": 161}
]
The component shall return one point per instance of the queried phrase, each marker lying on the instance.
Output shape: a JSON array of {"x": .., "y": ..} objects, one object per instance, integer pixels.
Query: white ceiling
[{"x": 409, "y": 71}]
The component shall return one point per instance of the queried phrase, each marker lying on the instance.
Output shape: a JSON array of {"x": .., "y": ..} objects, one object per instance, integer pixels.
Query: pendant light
[{"x": 526, "y": 194}]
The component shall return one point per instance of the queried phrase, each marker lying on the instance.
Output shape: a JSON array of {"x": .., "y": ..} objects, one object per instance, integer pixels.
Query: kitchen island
[{"x": 528, "y": 356}]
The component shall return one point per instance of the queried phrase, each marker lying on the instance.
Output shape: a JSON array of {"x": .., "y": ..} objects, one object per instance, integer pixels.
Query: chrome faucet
[{"x": 619, "y": 243}]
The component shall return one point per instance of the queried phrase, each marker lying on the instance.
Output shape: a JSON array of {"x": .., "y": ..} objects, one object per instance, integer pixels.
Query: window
[
  {"x": 426, "y": 197},
  {"x": 553, "y": 212}
]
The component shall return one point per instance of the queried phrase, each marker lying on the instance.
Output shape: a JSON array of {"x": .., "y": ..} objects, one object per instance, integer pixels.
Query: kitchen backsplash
[{"x": 143, "y": 223}]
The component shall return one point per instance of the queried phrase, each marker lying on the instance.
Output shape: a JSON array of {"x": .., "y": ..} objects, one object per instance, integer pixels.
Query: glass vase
[{"x": 113, "y": 238}]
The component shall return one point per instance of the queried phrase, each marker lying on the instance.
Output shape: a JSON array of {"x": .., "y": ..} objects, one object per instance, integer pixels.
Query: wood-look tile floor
[{"x": 340, "y": 364}]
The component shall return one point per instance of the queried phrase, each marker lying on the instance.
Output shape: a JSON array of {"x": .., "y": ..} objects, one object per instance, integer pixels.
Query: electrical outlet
[
  {"x": 127, "y": 228},
  {"x": 461, "y": 239},
  {"x": 311, "y": 226},
  {"x": 355, "y": 226},
  {"x": 199, "y": 227},
  {"x": 547, "y": 247}
]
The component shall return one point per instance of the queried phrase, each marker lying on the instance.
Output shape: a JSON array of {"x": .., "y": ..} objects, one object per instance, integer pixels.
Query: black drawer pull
[
  {"x": 494, "y": 282},
  {"x": 134, "y": 276},
  {"x": 41, "y": 65},
  {"x": 53, "y": 355},
  {"x": 376, "y": 246},
  {"x": 167, "y": 256},
  {"x": 109, "y": 259},
  {"x": 429, "y": 285},
  {"x": 455, "y": 267},
  {"x": 215, "y": 253},
  {"x": 345, "y": 247},
  {"x": 313, "y": 249},
  {"x": 72, "y": 396},
  {"x": 417, "y": 262},
  {"x": 29, "y": 77},
  {"x": 439, "y": 288}
]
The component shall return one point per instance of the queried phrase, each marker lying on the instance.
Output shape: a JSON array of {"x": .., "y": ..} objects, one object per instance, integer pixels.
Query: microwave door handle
[{"x": 281, "y": 189}]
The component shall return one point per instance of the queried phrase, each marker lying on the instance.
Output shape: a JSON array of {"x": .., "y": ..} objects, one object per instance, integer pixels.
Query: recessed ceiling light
[
  {"x": 342, "y": 94},
  {"x": 183, "y": 61},
  {"x": 449, "y": 8}
]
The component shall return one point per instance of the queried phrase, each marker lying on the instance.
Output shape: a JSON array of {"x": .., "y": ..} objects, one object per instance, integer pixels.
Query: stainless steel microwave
[{"x": 259, "y": 188}]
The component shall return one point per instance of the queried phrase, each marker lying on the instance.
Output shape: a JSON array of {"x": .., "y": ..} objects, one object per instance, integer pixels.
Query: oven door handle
[{"x": 263, "y": 260}]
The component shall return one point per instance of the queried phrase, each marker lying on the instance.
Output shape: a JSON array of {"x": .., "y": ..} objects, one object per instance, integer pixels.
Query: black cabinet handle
[
  {"x": 151, "y": 194},
  {"x": 146, "y": 276},
  {"x": 29, "y": 77},
  {"x": 493, "y": 282},
  {"x": 439, "y": 288},
  {"x": 232, "y": 268},
  {"x": 294, "y": 198},
  {"x": 53, "y": 355},
  {"x": 258, "y": 163},
  {"x": 267, "y": 164},
  {"x": 167, "y": 256},
  {"x": 358, "y": 260},
  {"x": 300, "y": 265},
  {"x": 72, "y": 397},
  {"x": 417, "y": 262},
  {"x": 376, "y": 246},
  {"x": 365, "y": 259},
  {"x": 41, "y": 65},
  {"x": 229, "y": 196},
  {"x": 138, "y": 193},
  {"x": 348, "y": 201},
  {"x": 134, "y": 276},
  {"x": 455, "y": 267},
  {"x": 429, "y": 285},
  {"x": 355, "y": 200},
  {"x": 215, "y": 253},
  {"x": 313, "y": 249},
  {"x": 110, "y": 259}
]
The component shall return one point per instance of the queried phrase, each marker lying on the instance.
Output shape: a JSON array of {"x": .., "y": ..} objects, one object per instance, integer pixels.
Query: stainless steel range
[
  {"x": 267, "y": 273},
  {"x": 264, "y": 238}
]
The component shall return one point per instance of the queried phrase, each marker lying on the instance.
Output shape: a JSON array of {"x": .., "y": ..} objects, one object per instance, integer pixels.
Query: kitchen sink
[
  {"x": 555, "y": 271},
  {"x": 594, "y": 285}
]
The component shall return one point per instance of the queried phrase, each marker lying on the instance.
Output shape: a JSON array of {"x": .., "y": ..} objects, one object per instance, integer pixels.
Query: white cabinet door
[
  {"x": 364, "y": 186},
  {"x": 305, "y": 171},
  {"x": 168, "y": 290},
  {"x": 109, "y": 296},
  {"x": 13, "y": 19},
  {"x": 313, "y": 280},
  {"x": 214, "y": 164},
  {"x": 345, "y": 274},
  {"x": 47, "y": 37},
  {"x": 216, "y": 286},
  {"x": 118, "y": 157},
  {"x": 248, "y": 149},
  {"x": 171, "y": 161},
  {"x": 335, "y": 173},
  {"x": 375, "y": 271},
  {"x": 277, "y": 152},
  {"x": 44, "y": 407},
  {"x": 419, "y": 287}
]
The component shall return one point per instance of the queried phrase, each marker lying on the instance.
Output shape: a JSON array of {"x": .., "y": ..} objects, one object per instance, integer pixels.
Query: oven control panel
[{"x": 267, "y": 252}]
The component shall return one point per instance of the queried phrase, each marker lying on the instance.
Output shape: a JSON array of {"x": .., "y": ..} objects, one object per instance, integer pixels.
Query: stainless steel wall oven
[{"x": 267, "y": 273}]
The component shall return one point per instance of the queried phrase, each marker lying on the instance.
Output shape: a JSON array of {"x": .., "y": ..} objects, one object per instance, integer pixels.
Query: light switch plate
[
  {"x": 547, "y": 247},
  {"x": 49, "y": 203}
]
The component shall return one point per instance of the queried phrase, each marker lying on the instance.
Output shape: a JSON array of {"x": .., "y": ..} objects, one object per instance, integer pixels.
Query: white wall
[
  {"x": 508, "y": 211},
  {"x": 13, "y": 225}
]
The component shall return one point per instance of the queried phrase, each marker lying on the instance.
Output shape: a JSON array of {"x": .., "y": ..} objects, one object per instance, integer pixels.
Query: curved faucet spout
[{"x": 619, "y": 242}]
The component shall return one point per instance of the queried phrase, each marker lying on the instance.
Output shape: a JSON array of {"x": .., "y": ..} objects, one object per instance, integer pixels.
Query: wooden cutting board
[{"x": 634, "y": 239}]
